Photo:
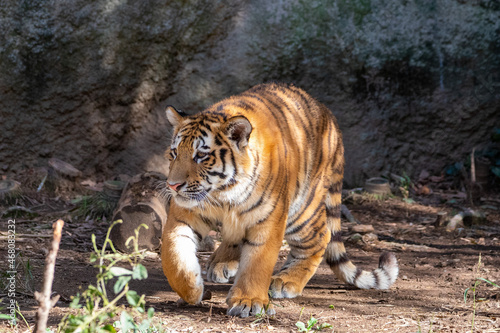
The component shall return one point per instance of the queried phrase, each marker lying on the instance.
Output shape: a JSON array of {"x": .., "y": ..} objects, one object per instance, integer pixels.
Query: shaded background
[{"x": 415, "y": 85}]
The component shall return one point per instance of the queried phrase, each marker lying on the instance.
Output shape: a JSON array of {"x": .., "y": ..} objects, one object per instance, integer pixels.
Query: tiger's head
[{"x": 204, "y": 155}]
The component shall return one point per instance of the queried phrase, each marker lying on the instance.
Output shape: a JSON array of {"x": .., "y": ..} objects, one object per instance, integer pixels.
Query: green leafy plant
[
  {"x": 24, "y": 277},
  {"x": 97, "y": 309},
  {"x": 18, "y": 313},
  {"x": 95, "y": 206},
  {"x": 477, "y": 281},
  {"x": 405, "y": 184},
  {"x": 28, "y": 283},
  {"x": 312, "y": 325}
]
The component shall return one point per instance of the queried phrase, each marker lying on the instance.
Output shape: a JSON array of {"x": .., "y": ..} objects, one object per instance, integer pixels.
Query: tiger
[{"x": 262, "y": 166}]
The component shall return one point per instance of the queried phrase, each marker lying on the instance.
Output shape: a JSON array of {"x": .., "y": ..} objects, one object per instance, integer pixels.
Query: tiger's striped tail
[{"x": 382, "y": 277}]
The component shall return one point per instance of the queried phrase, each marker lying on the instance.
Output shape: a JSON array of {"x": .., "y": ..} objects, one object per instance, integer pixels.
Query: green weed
[
  {"x": 97, "y": 309},
  {"x": 312, "y": 325},
  {"x": 477, "y": 281}
]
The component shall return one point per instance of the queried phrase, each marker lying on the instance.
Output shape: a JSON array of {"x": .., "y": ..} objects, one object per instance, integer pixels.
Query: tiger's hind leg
[
  {"x": 308, "y": 237},
  {"x": 224, "y": 262}
]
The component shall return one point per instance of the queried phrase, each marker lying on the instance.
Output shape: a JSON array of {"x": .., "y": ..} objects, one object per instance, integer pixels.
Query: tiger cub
[{"x": 263, "y": 165}]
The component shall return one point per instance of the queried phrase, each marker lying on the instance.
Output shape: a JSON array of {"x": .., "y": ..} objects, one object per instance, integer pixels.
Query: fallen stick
[
  {"x": 347, "y": 213},
  {"x": 4, "y": 235},
  {"x": 44, "y": 301},
  {"x": 18, "y": 208}
]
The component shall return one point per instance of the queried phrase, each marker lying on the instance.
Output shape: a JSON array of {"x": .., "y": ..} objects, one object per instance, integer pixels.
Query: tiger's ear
[
  {"x": 238, "y": 129},
  {"x": 174, "y": 117}
]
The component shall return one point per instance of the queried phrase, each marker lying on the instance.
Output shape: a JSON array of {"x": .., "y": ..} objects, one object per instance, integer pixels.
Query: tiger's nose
[{"x": 175, "y": 186}]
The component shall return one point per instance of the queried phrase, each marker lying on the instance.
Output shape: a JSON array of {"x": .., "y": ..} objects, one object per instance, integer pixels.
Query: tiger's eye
[{"x": 200, "y": 155}]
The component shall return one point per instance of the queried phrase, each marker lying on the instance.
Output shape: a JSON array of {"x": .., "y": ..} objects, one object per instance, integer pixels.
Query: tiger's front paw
[
  {"x": 221, "y": 272},
  {"x": 244, "y": 306},
  {"x": 192, "y": 292}
]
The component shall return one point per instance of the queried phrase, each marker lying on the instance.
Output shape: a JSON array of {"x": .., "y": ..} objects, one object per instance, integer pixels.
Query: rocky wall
[{"x": 414, "y": 84}]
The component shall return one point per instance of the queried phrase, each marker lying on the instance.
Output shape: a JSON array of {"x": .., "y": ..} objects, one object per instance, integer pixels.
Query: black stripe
[
  {"x": 386, "y": 274},
  {"x": 231, "y": 183},
  {"x": 222, "y": 115},
  {"x": 307, "y": 204},
  {"x": 278, "y": 108},
  {"x": 207, "y": 221},
  {"x": 377, "y": 279},
  {"x": 222, "y": 154},
  {"x": 217, "y": 140},
  {"x": 244, "y": 105},
  {"x": 357, "y": 274},
  {"x": 336, "y": 236},
  {"x": 191, "y": 239},
  {"x": 253, "y": 181},
  {"x": 303, "y": 247},
  {"x": 263, "y": 195},
  {"x": 218, "y": 174},
  {"x": 273, "y": 114},
  {"x": 333, "y": 211},
  {"x": 306, "y": 108},
  {"x": 316, "y": 252},
  {"x": 247, "y": 242},
  {"x": 198, "y": 235},
  {"x": 303, "y": 224},
  {"x": 335, "y": 188},
  {"x": 207, "y": 179},
  {"x": 233, "y": 161},
  {"x": 332, "y": 261},
  {"x": 255, "y": 205},
  {"x": 310, "y": 236}
]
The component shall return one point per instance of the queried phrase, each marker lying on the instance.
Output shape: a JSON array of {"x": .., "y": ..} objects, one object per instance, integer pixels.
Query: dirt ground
[{"x": 436, "y": 267}]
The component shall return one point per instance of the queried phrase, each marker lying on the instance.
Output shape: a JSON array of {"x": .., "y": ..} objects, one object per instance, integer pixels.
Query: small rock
[
  {"x": 88, "y": 182},
  {"x": 370, "y": 238},
  {"x": 456, "y": 221},
  {"x": 124, "y": 177},
  {"x": 441, "y": 219},
  {"x": 355, "y": 238},
  {"x": 424, "y": 174},
  {"x": 64, "y": 168},
  {"x": 424, "y": 190},
  {"x": 362, "y": 228},
  {"x": 436, "y": 179}
]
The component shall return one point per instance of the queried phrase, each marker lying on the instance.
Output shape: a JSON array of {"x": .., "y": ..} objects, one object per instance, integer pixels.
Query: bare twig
[
  {"x": 45, "y": 302},
  {"x": 472, "y": 166}
]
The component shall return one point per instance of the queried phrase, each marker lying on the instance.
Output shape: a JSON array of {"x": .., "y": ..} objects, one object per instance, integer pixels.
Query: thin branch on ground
[{"x": 44, "y": 300}]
